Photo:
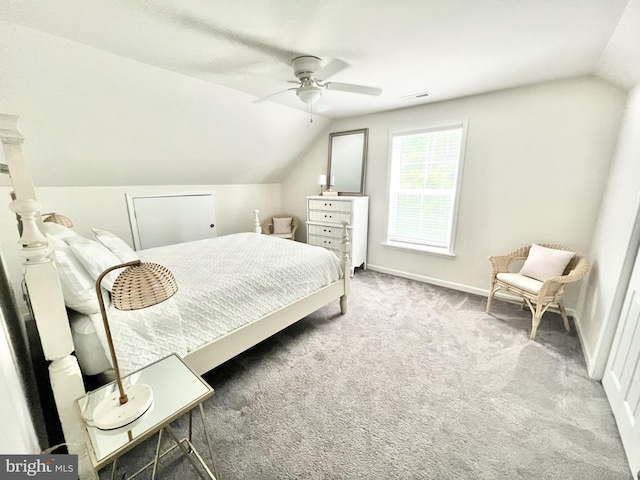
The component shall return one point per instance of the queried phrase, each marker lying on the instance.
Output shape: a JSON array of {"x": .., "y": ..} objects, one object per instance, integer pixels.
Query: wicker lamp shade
[
  {"x": 57, "y": 218},
  {"x": 139, "y": 285},
  {"x": 143, "y": 285}
]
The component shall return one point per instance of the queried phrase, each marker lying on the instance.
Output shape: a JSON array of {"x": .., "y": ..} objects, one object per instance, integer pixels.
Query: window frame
[{"x": 447, "y": 251}]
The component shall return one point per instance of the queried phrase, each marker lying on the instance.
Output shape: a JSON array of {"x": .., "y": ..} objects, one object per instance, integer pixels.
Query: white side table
[{"x": 177, "y": 391}]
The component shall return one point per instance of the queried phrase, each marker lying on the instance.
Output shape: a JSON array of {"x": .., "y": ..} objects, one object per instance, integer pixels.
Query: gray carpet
[{"x": 415, "y": 382}]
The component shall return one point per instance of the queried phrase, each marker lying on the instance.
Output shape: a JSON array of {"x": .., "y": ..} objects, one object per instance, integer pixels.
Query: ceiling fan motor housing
[{"x": 305, "y": 66}]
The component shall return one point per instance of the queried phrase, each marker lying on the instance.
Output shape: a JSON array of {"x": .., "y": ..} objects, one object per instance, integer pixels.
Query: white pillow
[
  {"x": 59, "y": 231},
  {"x": 282, "y": 225},
  {"x": 96, "y": 258},
  {"x": 118, "y": 247},
  {"x": 544, "y": 263},
  {"x": 78, "y": 288}
]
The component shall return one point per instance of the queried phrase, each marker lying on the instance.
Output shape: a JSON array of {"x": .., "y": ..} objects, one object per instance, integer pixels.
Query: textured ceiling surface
[
  {"x": 450, "y": 48},
  {"x": 162, "y": 92}
]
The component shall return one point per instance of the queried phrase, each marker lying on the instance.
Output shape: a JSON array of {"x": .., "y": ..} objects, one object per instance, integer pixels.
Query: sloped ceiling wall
[
  {"x": 94, "y": 118},
  {"x": 98, "y": 118},
  {"x": 620, "y": 60}
]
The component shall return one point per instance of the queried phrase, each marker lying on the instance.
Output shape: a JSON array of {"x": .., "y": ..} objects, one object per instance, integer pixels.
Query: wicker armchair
[
  {"x": 537, "y": 295},
  {"x": 267, "y": 227}
]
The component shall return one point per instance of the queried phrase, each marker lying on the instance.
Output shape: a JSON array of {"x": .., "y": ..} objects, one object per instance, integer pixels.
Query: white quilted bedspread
[{"x": 223, "y": 283}]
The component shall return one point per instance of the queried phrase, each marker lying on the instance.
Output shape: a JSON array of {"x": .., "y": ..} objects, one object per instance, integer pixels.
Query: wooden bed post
[
  {"x": 256, "y": 222},
  {"x": 43, "y": 286},
  {"x": 345, "y": 248}
]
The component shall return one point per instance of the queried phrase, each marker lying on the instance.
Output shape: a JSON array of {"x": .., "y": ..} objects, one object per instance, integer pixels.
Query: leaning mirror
[{"x": 348, "y": 161}]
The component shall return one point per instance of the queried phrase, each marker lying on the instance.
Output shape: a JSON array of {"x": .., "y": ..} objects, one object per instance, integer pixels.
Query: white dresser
[{"x": 324, "y": 224}]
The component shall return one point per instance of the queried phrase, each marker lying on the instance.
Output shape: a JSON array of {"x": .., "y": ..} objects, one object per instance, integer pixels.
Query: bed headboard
[{"x": 43, "y": 286}]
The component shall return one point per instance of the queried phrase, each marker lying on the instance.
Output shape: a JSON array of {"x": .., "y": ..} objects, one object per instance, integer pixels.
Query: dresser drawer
[
  {"x": 329, "y": 217},
  {"x": 331, "y": 205},
  {"x": 324, "y": 230},
  {"x": 326, "y": 242}
]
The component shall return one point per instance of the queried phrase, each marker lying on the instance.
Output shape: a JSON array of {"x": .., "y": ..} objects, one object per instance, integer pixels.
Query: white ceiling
[{"x": 451, "y": 48}]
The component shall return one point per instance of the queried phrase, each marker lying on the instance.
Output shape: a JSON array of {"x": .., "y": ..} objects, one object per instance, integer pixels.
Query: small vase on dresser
[{"x": 324, "y": 224}]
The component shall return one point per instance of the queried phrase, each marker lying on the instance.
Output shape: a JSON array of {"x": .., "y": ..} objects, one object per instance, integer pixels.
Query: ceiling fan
[
  {"x": 310, "y": 70},
  {"x": 312, "y": 76}
]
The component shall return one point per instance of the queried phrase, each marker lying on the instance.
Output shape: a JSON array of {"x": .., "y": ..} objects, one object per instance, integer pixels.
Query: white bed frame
[{"x": 49, "y": 312}]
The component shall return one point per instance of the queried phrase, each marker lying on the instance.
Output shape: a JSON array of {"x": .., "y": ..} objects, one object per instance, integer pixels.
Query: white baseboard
[
  {"x": 484, "y": 292},
  {"x": 433, "y": 281},
  {"x": 588, "y": 357}
]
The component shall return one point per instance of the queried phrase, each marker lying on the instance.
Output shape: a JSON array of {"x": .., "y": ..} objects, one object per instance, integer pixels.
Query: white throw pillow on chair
[
  {"x": 281, "y": 225},
  {"x": 544, "y": 263}
]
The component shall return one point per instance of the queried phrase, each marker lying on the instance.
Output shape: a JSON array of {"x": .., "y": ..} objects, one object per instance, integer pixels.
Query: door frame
[{"x": 605, "y": 341}]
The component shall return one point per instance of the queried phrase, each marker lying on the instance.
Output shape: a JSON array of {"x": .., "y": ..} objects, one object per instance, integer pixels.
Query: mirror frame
[{"x": 363, "y": 158}]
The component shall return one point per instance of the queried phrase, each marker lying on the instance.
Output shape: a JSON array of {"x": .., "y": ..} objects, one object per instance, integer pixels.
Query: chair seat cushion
[{"x": 520, "y": 281}]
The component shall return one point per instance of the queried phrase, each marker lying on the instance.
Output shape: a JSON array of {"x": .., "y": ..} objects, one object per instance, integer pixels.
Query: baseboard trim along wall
[
  {"x": 588, "y": 355},
  {"x": 433, "y": 281},
  {"x": 484, "y": 292}
]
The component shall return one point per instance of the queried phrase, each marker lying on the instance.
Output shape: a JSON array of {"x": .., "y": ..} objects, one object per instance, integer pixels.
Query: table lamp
[
  {"x": 140, "y": 285},
  {"x": 54, "y": 217},
  {"x": 322, "y": 181}
]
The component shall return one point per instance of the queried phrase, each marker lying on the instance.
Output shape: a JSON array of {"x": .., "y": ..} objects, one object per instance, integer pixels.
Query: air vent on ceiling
[{"x": 416, "y": 96}]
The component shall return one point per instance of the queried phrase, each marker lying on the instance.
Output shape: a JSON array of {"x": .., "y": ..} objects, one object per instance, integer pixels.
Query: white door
[
  {"x": 158, "y": 220},
  {"x": 621, "y": 379}
]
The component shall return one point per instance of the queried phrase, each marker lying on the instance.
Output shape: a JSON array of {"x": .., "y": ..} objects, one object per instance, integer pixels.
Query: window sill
[{"x": 440, "y": 252}]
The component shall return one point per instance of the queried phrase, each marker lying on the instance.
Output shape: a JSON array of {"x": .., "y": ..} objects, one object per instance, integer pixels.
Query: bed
[
  {"x": 254, "y": 300},
  {"x": 224, "y": 284}
]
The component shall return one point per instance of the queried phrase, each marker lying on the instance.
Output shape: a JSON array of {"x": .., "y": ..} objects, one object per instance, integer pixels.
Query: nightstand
[{"x": 177, "y": 391}]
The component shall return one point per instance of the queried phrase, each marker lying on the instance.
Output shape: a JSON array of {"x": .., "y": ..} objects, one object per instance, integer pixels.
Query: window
[{"x": 426, "y": 167}]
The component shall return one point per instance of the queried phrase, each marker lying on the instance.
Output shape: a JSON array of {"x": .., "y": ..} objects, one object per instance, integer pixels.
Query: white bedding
[{"x": 223, "y": 283}]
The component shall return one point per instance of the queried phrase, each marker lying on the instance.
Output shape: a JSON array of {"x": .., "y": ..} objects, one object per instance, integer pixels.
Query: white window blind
[{"x": 423, "y": 185}]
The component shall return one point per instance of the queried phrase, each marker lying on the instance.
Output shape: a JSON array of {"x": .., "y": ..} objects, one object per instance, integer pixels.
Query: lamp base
[{"x": 109, "y": 414}]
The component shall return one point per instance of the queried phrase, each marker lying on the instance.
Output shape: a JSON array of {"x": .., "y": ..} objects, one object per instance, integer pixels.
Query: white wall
[
  {"x": 106, "y": 208},
  {"x": 605, "y": 287},
  {"x": 537, "y": 159},
  {"x": 95, "y": 118}
]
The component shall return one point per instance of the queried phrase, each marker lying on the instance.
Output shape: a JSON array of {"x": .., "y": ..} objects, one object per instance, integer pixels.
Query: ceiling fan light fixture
[{"x": 309, "y": 94}]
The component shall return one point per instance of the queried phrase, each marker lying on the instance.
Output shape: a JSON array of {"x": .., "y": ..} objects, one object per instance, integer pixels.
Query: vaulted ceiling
[{"x": 448, "y": 48}]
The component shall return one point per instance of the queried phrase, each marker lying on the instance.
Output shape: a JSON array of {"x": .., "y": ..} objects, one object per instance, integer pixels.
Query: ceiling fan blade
[
  {"x": 348, "y": 87},
  {"x": 330, "y": 69},
  {"x": 211, "y": 28},
  {"x": 269, "y": 97}
]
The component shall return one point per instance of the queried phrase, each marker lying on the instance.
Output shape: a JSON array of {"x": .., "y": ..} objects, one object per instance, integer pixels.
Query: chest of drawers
[{"x": 324, "y": 224}]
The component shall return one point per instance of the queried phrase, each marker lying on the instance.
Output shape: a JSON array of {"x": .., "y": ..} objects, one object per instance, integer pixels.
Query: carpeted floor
[{"x": 415, "y": 382}]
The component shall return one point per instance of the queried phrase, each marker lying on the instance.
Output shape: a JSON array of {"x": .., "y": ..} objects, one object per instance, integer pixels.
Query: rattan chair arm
[
  {"x": 578, "y": 273},
  {"x": 550, "y": 286},
  {"x": 500, "y": 263}
]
